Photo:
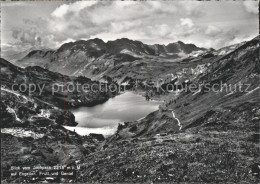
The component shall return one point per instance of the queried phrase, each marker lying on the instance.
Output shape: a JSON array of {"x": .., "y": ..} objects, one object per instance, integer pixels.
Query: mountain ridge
[
  {"x": 95, "y": 58},
  {"x": 172, "y": 47}
]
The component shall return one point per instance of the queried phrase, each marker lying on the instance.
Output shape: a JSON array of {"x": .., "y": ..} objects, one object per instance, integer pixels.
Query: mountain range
[
  {"x": 197, "y": 135},
  {"x": 122, "y": 60},
  {"x": 95, "y": 59}
]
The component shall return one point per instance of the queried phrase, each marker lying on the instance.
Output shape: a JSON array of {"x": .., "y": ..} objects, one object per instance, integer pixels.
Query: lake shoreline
[{"x": 104, "y": 118}]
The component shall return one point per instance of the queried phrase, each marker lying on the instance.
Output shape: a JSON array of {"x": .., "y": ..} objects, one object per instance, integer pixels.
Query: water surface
[{"x": 104, "y": 118}]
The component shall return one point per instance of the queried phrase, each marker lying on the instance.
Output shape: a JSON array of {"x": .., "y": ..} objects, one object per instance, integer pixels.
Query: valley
[{"x": 196, "y": 135}]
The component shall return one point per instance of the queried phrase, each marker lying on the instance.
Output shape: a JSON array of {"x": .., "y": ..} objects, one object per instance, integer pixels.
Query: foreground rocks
[{"x": 224, "y": 151}]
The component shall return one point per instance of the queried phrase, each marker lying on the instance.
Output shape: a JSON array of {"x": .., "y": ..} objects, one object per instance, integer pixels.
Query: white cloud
[
  {"x": 29, "y": 36},
  {"x": 251, "y": 6},
  {"x": 213, "y": 31},
  {"x": 187, "y": 22},
  {"x": 159, "y": 30},
  {"x": 238, "y": 40},
  {"x": 191, "y": 8},
  {"x": 117, "y": 27},
  {"x": 111, "y": 20},
  {"x": 60, "y": 11},
  {"x": 148, "y": 21},
  {"x": 122, "y": 11},
  {"x": 64, "y": 9}
]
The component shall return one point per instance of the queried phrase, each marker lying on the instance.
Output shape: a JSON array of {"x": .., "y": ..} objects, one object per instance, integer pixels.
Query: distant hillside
[
  {"x": 94, "y": 58},
  {"x": 13, "y": 57}
]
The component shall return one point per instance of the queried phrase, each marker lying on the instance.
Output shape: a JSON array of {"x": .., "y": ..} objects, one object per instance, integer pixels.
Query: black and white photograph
[{"x": 130, "y": 91}]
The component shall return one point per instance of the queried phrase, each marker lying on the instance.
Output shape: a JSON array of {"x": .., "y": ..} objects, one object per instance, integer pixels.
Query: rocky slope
[
  {"x": 33, "y": 122},
  {"x": 55, "y": 88},
  {"x": 204, "y": 136}
]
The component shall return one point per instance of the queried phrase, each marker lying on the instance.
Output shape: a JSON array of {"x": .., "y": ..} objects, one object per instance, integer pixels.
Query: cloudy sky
[{"x": 51, "y": 23}]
